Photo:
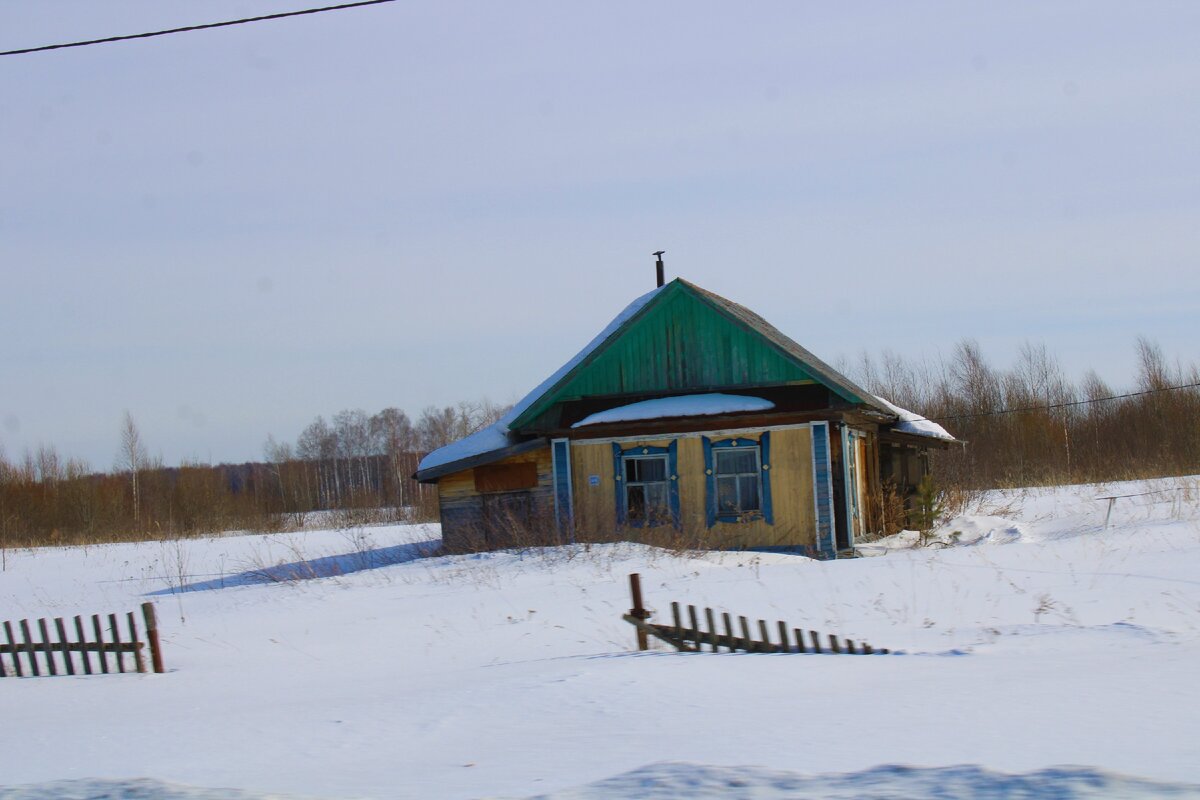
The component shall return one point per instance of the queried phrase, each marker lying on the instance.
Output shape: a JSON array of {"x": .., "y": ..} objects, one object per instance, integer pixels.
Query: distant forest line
[{"x": 359, "y": 466}]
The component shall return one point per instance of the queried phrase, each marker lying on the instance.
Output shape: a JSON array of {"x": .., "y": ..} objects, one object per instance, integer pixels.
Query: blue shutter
[{"x": 764, "y": 443}]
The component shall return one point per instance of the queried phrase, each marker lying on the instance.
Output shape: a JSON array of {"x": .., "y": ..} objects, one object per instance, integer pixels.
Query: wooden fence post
[
  {"x": 635, "y": 588},
  {"x": 156, "y": 659},
  {"x": 712, "y": 628}
]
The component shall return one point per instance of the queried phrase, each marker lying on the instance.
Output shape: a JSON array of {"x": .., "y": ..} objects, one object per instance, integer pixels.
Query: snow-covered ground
[{"x": 345, "y": 664}]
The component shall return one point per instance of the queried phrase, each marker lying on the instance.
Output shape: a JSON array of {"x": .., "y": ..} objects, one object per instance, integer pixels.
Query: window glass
[
  {"x": 739, "y": 487},
  {"x": 646, "y": 489}
]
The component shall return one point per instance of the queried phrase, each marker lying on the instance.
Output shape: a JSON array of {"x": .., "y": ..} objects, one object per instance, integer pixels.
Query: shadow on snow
[{"x": 322, "y": 567}]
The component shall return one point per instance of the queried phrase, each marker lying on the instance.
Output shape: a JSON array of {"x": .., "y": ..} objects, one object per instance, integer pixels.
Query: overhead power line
[
  {"x": 188, "y": 28},
  {"x": 1054, "y": 406}
]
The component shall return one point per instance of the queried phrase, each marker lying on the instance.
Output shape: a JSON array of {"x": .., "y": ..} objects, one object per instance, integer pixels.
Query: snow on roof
[
  {"x": 688, "y": 405},
  {"x": 915, "y": 423},
  {"x": 495, "y": 436}
]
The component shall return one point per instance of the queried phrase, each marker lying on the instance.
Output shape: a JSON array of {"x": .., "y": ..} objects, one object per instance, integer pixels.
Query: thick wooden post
[
  {"x": 152, "y": 636},
  {"x": 635, "y": 588}
]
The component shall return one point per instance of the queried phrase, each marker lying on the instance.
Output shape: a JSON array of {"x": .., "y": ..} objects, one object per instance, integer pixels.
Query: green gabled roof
[{"x": 688, "y": 339}]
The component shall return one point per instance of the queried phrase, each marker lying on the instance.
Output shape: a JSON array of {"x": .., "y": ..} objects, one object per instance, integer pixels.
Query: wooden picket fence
[
  {"x": 40, "y": 654},
  {"x": 692, "y": 638}
]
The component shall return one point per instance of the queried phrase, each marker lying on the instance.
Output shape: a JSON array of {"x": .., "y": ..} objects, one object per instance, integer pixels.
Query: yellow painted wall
[{"x": 791, "y": 494}]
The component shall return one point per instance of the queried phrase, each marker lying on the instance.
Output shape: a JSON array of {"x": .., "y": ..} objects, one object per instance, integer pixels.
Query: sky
[{"x": 229, "y": 232}]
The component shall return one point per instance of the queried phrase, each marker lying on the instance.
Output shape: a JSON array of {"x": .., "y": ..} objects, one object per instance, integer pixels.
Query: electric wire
[{"x": 188, "y": 28}]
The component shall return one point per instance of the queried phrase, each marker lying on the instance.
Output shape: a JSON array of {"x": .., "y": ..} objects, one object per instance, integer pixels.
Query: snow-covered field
[{"x": 345, "y": 664}]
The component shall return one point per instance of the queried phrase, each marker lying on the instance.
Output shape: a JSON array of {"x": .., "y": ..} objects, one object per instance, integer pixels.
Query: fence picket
[
  {"x": 799, "y": 639},
  {"x": 678, "y": 620},
  {"x": 83, "y": 650},
  {"x": 834, "y": 647},
  {"x": 29, "y": 651},
  {"x": 102, "y": 646},
  {"x": 816, "y": 641},
  {"x": 12, "y": 650},
  {"x": 733, "y": 642},
  {"x": 63, "y": 645},
  {"x": 695, "y": 631},
  {"x": 746, "y": 640},
  {"x": 46, "y": 647},
  {"x": 712, "y": 629},
  {"x": 850, "y": 647},
  {"x": 783, "y": 637},
  {"x": 116, "y": 635},
  {"x": 766, "y": 646},
  {"x": 138, "y": 658}
]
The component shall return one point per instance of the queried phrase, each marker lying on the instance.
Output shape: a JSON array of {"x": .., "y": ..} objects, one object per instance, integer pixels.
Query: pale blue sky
[{"x": 228, "y": 232}]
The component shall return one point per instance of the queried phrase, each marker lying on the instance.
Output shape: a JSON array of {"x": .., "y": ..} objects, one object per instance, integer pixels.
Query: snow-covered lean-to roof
[
  {"x": 915, "y": 424},
  {"x": 496, "y": 436},
  {"x": 688, "y": 405}
]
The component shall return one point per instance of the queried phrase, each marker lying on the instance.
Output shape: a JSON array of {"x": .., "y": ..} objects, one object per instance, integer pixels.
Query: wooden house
[{"x": 689, "y": 419}]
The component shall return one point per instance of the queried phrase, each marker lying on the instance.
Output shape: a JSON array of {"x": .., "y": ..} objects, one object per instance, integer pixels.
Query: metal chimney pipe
[{"x": 658, "y": 265}]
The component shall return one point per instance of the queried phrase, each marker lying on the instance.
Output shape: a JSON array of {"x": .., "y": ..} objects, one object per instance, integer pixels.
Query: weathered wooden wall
[
  {"x": 462, "y": 508},
  {"x": 791, "y": 494}
]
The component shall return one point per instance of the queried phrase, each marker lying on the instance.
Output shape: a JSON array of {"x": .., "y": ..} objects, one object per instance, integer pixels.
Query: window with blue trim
[
  {"x": 647, "y": 486},
  {"x": 739, "y": 490},
  {"x": 738, "y": 484}
]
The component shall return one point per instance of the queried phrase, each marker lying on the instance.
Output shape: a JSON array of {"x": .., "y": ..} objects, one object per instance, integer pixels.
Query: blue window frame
[
  {"x": 738, "y": 480},
  {"x": 647, "y": 482}
]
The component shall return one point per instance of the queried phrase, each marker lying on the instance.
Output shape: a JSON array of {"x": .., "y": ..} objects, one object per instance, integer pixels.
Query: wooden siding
[
  {"x": 791, "y": 492},
  {"x": 462, "y": 507}
]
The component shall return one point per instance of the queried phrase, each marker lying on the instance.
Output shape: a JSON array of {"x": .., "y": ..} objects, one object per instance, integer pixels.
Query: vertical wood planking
[
  {"x": 102, "y": 648},
  {"x": 116, "y": 637},
  {"x": 64, "y": 645},
  {"x": 83, "y": 645},
  {"x": 12, "y": 650},
  {"x": 816, "y": 641},
  {"x": 138, "y": 658},
  {"x": 47, "y": 648},
  {"x": 799, "y": 640},
  {"x": 712, "y": 628}
]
